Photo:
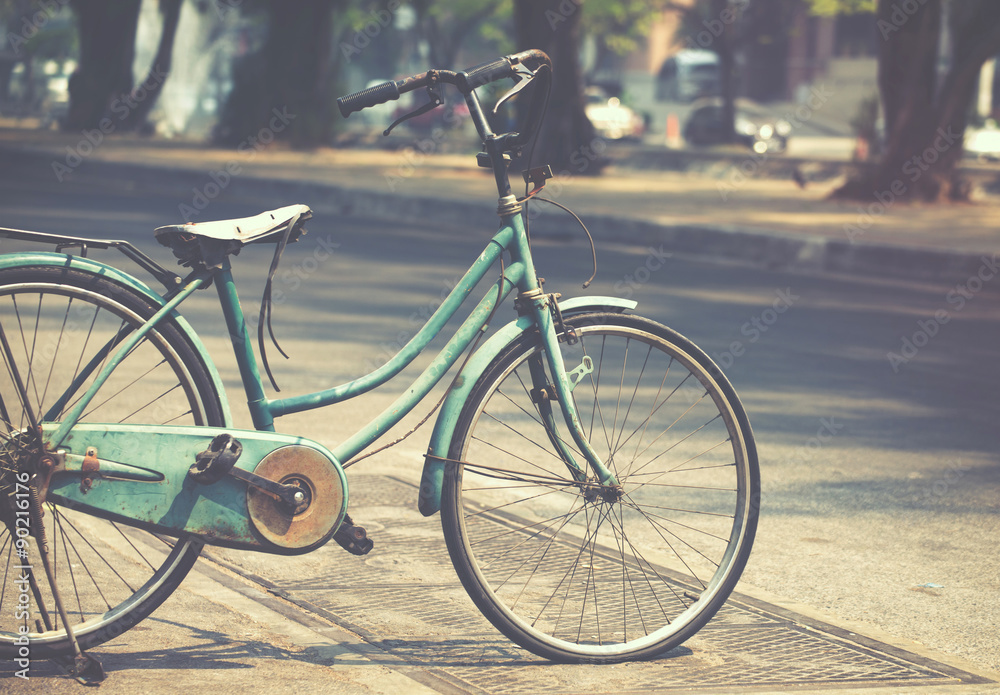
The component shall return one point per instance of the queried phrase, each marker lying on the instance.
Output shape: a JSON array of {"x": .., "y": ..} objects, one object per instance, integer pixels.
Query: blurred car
[
  {"x": 688, "y": 75},
  {"x": 983, "y": 143},
  {"x": 612, "y": 119},
  {"x": 704, "y": 127}
]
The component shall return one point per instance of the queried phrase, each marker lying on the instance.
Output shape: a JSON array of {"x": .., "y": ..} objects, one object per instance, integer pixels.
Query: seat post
[{"x": 243, "y": 348}]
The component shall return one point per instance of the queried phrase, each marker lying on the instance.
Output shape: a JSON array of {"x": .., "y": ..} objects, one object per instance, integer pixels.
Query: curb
[{"x": 755, "y": 247}]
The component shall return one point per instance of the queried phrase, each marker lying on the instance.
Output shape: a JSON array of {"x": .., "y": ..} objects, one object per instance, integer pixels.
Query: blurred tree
[
  {"x": 107, "y": 49},
  {"x": 103, "y": 87},
  {"x": 925, "y": 114},
  {"x": 289, "y": 78},
  {"x": 34, "y": 32},
  {"x": 617, "y": 26},
  {"x": 566, "y": 139},
  {"x": 767, "y": 28},
  {"x": 831, "y": 7},
  {"x": 140, "y": 108},
  {"x": 716, "y": 25},
  {"x": 370, "y": 38},
  {"x": 445, "y": 26}
]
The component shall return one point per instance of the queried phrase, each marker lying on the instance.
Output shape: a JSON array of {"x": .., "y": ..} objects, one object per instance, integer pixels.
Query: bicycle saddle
[{"x": 267, "y": 226}]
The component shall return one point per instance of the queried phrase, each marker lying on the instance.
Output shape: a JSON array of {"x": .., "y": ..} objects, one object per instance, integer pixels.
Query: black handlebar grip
[
  {"x": 379, "y": 94},
  {"x": 484, "y": 74}
]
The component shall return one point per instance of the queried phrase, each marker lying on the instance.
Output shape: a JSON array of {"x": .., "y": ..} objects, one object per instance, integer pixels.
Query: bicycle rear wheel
[
  {"x": 59, "y": 326},
  {"x": 573, "y": 572}
]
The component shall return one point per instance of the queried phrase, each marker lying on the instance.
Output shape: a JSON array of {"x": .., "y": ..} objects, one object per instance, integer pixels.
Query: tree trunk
[
  {"x": 284, "y": 89},
  {"x": 925, "y": 124},
  {"x": 103, "y": 77},
  {"x": 445, "y": 38},
  {"x": 567, "y": 140},
  {"x": 767, "y": 25},
  {"x": 725, "y": 49},
  {"x": 144, "y": 96}
]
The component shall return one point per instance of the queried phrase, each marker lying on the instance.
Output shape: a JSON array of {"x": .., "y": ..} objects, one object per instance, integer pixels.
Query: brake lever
[
  {"x": 525, "y": 80},
  {"x": 435, "y": 101}
]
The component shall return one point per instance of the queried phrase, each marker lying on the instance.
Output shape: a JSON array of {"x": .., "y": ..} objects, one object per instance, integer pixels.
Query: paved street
[{"x": 872, "y": 400}]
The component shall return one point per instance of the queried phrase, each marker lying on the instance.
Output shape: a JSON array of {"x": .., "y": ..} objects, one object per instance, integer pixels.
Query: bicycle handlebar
[
  {"x": 465, "y": 81},
  {"x": 388, "y": 91}
]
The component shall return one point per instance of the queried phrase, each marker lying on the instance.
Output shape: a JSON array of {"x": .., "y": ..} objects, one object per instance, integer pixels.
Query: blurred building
[{"x": 784, "y": 52}]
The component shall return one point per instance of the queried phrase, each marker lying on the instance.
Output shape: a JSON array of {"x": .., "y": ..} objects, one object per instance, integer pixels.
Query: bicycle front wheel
[
  {"x": 59, "y": 327},
  {"x": 575, "y": 572}
]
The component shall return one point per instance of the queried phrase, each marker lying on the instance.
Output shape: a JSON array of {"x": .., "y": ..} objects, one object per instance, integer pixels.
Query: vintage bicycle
[{"x": 595, "y": 472}]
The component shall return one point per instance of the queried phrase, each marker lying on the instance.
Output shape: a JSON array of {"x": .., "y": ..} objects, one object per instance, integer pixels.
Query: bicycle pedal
[{"x": 353, "y": 539}]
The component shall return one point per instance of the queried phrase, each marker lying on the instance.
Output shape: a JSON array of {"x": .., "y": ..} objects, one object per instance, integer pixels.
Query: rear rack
[{"x": 169, "y": 279}]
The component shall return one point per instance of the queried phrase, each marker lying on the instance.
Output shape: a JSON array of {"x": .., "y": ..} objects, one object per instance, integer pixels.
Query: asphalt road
[{"x": 881, "y": 473}]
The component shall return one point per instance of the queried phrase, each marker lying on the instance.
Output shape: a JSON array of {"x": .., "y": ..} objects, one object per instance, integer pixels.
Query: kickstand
[
  {"x": 83, "y": 667},
  {"x": 86, "y": 669}
]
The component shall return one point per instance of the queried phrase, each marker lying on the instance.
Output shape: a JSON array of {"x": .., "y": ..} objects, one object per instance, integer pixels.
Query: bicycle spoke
[
  {"x": 635, "y": 392},
  {"x": 69, "y": 566},
  {"x": 677, "y": 468},
  {"x": 155, "y": 400},
  {"x": 542, "y": 550},
  {"x": 671, "y": 425},
  {"x": 595, "y": 381},
  {"x": 525, "y": 437},
  {"x": 644, "y": 565},
  {"x": 30, "y": 353},
  {"x": 661, "y": 529},
  {"x": 15, "y": 376},
  {"x": 55, "y": 356},
  {"x": 111, "y": 396}
]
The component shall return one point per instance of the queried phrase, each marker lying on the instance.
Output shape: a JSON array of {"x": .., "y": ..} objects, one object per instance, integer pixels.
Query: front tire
[{"x": 576, "y": 574}]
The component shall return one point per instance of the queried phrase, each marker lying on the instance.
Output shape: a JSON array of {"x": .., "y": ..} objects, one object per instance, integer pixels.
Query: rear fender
[{"x": 432, "y": 479}]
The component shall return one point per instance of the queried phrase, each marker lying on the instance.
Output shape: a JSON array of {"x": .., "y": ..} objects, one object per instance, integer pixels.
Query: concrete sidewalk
[{"x": 720, "y": 211}]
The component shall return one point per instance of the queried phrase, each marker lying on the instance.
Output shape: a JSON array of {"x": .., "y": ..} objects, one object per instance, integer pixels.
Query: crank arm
[
  {"x": 288, "y": 494},
  {"x": 219, "y": 460}
]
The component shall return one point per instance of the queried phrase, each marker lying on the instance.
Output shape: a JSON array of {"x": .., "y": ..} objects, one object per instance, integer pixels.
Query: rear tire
[
  {"x": 567, "y": 570},
  {"x": 56, "y": 321}
]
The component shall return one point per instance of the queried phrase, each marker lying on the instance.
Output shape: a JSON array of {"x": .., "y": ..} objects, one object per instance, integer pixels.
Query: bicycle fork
[{"x": 560, "y": 390}]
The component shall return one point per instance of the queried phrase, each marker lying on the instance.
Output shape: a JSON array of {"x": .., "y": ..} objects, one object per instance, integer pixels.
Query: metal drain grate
[{"x": 405, "y": 599}]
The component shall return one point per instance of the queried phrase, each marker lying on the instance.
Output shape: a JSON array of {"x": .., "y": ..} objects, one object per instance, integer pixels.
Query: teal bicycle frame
[{"x": 518, "y": 274}]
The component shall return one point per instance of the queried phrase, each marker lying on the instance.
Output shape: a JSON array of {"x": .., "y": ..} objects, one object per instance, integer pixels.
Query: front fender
[
  {"x": 87, "y": 265},
  {"x": 432, "y": 479}
]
